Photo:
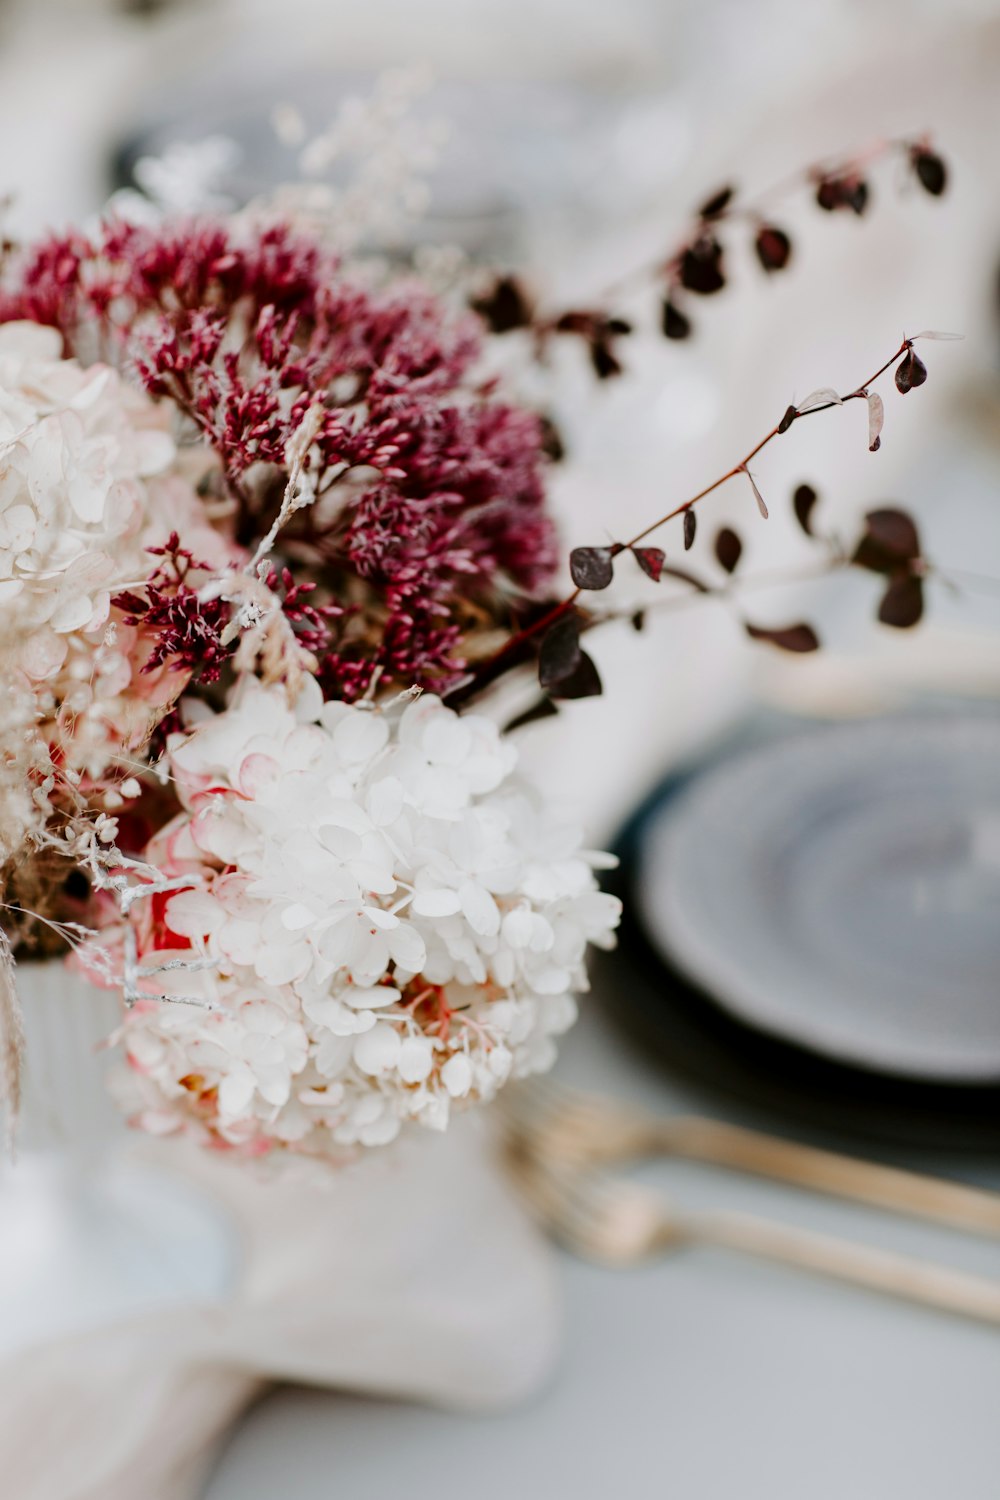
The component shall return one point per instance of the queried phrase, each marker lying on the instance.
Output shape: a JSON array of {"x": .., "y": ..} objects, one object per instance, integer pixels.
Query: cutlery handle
[
  {"x": 891, "y": 1188},
  {"x": 877, "y": 1270}
]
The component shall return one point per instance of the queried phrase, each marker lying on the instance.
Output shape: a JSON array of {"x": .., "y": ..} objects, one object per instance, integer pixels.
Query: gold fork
[
  {"x": 568, "y": 1125},
  {"x": 619, "y": 1223}
]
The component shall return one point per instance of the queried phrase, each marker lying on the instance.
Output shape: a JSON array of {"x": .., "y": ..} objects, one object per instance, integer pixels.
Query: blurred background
[
  {"x": 576, "y": 144},
  {"x": 576, "y": 139}
]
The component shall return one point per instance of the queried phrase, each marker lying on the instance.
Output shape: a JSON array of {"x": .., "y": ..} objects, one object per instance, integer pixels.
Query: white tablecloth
[{"x": 704, "y": 1377}]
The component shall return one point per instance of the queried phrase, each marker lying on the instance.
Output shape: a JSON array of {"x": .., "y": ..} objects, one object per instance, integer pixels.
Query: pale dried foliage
[
  {"x": 11, "y": 1041},
  {"x": 364, "y": 177}
]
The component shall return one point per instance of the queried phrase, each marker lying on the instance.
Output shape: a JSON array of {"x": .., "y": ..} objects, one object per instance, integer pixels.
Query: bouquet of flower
[{"x": 269, "y": 534}]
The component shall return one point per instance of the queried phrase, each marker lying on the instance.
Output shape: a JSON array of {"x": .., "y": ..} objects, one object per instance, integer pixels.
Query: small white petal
[
  {"x": 447, "y": 740},
  {"x": 370, "y": 997},
  {"x": 360, "y": 735},
  {"x": 296, "y": 917},
  {"x": 416, "y": 1059},
  {"x": 385, "y": 801},
  {"x": 235, "y": 1092},
  {"x": 378, "y": 1050},
  {"x": 456, "y": 1075},
  {"x": 283, "y": 965},
  {"x": 407, "y": 948},
  {"x": 518, "y": 926},
  {"x": 193, "y": 914},
  {"x": 480, "y": 910},
  {"x": 436, "y": 903}
]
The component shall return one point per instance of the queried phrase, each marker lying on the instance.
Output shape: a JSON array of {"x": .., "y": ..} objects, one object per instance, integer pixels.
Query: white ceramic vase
[{"x": 88, "y": 1234}]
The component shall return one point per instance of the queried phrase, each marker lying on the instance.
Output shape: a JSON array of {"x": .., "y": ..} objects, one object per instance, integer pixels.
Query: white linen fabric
[{"x": 417, "y": 1275}]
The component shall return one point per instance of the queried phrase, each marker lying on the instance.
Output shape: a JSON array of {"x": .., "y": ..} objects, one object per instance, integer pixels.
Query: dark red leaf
[
  {"x": 650, "y": 560},
  {"x": 842, "y": 192},
  {"x": 889, "y": 543},
  {"x": 591, "y": 567},
  {"x": 798, "y": 638},
  {"x": 575, "y": 322},
  {"x": 894, "y": 533},
  {"x": 910, "y": 371},
  {"x": 773, "y": 248},
  {"x": 701, "y": 266},
  {"x": 674, "y": 324},
  {"x": 719, "y": 201},
  {"x": 930, "y": 170},
  {"x": 552, "y": 440},
  {"x": 804, "y": 499},
  {"x": 827, "y": 194},
  {"x": 894, "y": 530},
  {"x": 728, "y": 549},
  {"x": 506, "y": 305},
  {"x": 583, "y": 682},
  {"x": 903, "y": 602},
  {"x": 560, "y": 651},
  {"x": 604, "y": 360}
]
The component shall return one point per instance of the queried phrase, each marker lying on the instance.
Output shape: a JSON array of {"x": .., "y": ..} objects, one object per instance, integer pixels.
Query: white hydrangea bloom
[
  {"x": 76, "y": 448},
  {"x": 89, "y": 478},
  {"x": 396, "y": 924},
  {"x": 24, "y": 768}
]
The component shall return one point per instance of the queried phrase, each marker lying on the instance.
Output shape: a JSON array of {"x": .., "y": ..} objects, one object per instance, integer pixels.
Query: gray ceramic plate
[{"x": 841, "y": 889}]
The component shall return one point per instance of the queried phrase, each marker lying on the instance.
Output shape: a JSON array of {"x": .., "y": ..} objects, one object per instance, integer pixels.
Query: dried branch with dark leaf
[
  {"x": 699, "y": 264},
  {"x": 564, "y": 671},
  {"x": 888, "y": 544}
]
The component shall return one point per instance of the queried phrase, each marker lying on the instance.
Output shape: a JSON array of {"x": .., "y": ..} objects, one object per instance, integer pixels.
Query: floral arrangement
[{"x": 270, "y": 534}]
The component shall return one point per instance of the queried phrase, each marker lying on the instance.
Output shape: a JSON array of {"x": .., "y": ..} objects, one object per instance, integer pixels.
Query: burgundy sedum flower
[{"x": 429, "y": 519}]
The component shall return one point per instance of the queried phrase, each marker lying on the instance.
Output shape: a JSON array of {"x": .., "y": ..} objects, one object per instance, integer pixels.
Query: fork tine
[
  {"x": 555, "y": 1120},
  {"x": 563, "y": 1097},
  {"x": 574, "y": 1202},
  {"x": 580, "y": 1105},
  {"x": 542, "y": 1093},
  {"x": 541, "y": 1100}
]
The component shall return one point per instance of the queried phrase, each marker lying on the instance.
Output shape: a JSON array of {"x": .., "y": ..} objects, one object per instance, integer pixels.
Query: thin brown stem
[
  {"x": 859, "y": 393},
  {"x": 488, "y": 671}
]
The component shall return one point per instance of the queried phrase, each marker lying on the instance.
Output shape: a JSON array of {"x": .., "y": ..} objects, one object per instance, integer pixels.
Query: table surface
[{"x": 703, "y": 1376}]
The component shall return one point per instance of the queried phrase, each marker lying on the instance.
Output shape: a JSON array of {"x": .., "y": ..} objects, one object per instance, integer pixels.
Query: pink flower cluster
[{"x": 429, "y": 514}]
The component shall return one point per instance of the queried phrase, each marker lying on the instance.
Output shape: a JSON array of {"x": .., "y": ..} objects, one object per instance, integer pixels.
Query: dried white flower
[
  {"x": 76, "y": 447},
  {"x": 87, "y": 482},
  {"x": 389, "y": 923}
]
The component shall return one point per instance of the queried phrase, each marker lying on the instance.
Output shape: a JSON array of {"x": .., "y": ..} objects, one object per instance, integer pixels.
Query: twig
[
  {"x": 752, "y": 210},
  {"x": 492, "y": 668}
]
